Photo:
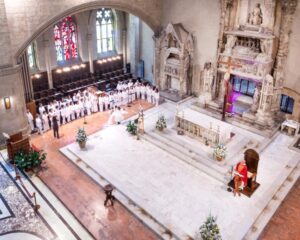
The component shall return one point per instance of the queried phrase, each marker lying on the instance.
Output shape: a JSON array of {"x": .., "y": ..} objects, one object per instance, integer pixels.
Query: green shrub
[
  {"x": 31, "y": 160},
  {"x": 132, "y": 128}
]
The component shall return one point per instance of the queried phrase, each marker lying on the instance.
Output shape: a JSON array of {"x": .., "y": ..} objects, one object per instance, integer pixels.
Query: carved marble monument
[
  {"x": 174, "y": 60},
  {"x": 257, "y": 46}
]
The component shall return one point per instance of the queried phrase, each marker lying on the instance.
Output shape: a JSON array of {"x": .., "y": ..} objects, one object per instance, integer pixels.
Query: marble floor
[
  {"x": 84, "y": 197},
  {"x": 79, "y": 193},
  {"x": 176, "y": 194}
]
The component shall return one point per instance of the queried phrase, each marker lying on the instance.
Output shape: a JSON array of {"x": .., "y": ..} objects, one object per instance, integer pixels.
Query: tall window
[
  {"x": 286, "y": 104},
  {"x": 31, "y": 56},
  {"x": 243, "y": 86},
  {"x": 105, "y": 30},
  {"x": 65, "y": 40}
]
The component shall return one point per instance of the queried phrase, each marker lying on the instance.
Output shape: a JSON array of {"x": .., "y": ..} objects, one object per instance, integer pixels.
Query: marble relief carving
[
  {"x": 248, "y": 38},
  {"x": 174, "y": 59}
]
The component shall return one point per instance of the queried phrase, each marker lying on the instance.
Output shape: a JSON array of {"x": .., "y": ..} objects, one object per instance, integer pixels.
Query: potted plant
[
  {"x": 161, "y": 123},
  {"x": 132, "y": 127},
  {"x": 219, "y": 152},
  {"x": 209, "y": 230},
  {"x": 81, "y": 137},
  {"x": 29, "y": 161}
]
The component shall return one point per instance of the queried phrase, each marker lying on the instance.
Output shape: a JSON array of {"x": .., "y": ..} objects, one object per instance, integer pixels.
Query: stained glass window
[
  {"x": 105, "y": 30},
  {"x": 65, "y": 40},
  {"x": 31, "y": 55}
]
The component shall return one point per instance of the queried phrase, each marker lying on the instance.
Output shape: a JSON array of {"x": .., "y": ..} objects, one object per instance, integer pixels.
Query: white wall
[
  {"x": 147, "y": 50},
  {"x": 292, "y": 73},
  {"x": 201, "y": 18}
]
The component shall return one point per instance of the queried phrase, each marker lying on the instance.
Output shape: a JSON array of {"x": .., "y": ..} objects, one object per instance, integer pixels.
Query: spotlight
[
  {"x": 82, "y": 65},
  {"x": 118, "y": 57},
  {"x": 114, "y": 58},
  {"x": 109, "y": 59},
  {"x": 104, "y": 60},
  {"x": 58, "y": 71},
  {"x": 75, "y": 67}
]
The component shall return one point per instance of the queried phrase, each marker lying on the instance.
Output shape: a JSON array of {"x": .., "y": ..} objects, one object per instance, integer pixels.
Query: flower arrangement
[
  {"x": 209, "y": 230},
  {"x": 132, "y": 127},
  {"x": 220, "y": 152},
  {"x": 81, "y": 135},
  {"x": 161, "y": 123}
]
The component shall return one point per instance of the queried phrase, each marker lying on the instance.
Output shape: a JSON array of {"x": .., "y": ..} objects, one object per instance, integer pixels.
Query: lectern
[{"x": 16, "y": 143}]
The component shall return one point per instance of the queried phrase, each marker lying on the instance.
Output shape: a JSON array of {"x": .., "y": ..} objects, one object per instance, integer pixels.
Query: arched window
[
  {"x": 65, "y": 40},
  {"x": 31, "y": 56},
  {"x": 105, "y": 30}
]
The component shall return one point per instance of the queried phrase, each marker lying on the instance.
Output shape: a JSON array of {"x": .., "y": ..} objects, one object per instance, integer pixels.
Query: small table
[{"x": 291, "y": 124}]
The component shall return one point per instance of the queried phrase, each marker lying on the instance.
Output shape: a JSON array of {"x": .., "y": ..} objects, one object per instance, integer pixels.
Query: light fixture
[
  {"x": 75, "y": 67},
  {"x": 118, "y": 57},
  {"x": 7, "y": 103},
  {"x": 104, "y": 60},
  {"x": 109, "y": 59},
  {"x": 58, "y": 71},
  {"x": 82, "y": 65},
  {"x": 37, "y": 75},
  {"x": 114, "y": 58},
  {"x": 66, "y": 69}
]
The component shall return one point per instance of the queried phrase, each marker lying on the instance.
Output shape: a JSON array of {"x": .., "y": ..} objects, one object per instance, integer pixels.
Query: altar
[{"x": 202, "y": 127}]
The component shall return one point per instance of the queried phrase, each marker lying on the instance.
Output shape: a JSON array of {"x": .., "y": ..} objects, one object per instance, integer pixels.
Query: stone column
[
  {"x": 157, "y": 59},
  {"x": 89, "y": 38},
  {"x": 14, "y": 119},
  {"x": 46, "y": 44},
  {"x": 288, "y": 10},
  {"x": 124, "y": 44}
]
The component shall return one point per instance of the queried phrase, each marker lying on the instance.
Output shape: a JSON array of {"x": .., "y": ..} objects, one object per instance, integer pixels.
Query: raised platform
[
  {"x": 177, "y": 195},
  {"x": 237, "y": 120}
]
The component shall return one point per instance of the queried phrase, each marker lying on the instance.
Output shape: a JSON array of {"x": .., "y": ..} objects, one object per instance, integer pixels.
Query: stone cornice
[{"x": 9, "y": 70}]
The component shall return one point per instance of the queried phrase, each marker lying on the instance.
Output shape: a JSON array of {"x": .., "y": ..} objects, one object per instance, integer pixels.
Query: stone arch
[{"x": 123, "y": 5}]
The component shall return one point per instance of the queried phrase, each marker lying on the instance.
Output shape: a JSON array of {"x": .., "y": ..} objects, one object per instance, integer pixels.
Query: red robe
[{"x": 243, "y": 171}]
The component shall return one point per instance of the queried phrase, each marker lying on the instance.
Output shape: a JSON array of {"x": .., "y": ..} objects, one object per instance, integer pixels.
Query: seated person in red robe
[{"x": 240, "y": 177}]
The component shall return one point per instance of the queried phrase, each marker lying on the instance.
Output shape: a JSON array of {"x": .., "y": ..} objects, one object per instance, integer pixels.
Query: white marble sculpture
[{"x": 256, "y": 17}]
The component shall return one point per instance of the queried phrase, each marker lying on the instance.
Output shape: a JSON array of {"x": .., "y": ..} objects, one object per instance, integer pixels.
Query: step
[
  {"x": 184, "y": 157},
  {"x": 171, "y": 138}
]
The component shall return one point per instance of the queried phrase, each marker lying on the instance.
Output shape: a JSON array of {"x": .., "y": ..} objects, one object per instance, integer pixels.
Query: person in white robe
[
  {"x": 106, "y": 102},
  {"x": 101, "y": 102},
  {"x": 41, "y": 109},
  {"x": 39, "y": 124},
  {"x": 149, "y": 93},
  {"x": 88, "y": 106},
  {"x": 30, "y": 120},
  {"x": 143, "y": 91},
  {"x": 124, "y": 97},
  {"x": 45, "y": 121},
  {"x": 63, "y": 114}
]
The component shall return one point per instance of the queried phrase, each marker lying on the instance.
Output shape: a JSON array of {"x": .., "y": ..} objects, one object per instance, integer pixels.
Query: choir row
[{"x": 86, "y": 102}]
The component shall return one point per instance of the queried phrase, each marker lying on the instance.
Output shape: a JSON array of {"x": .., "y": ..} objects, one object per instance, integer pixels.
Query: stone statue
[
  {"x": 255, "y": 17},
  {"x": 208, "y": 77},
  {"x": 256, "y": 97},
  {"x": 266, "y": 48},
  {"x": 229, "y": 44}
]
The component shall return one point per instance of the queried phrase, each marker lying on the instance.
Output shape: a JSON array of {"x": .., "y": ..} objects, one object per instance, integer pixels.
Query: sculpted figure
[
  {"x": 208, "y": 77},
  {"x": 255, "y": 17}
]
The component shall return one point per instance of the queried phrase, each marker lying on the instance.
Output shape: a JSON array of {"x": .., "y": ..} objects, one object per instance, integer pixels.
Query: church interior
[{"x": 149, "y": 119}]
